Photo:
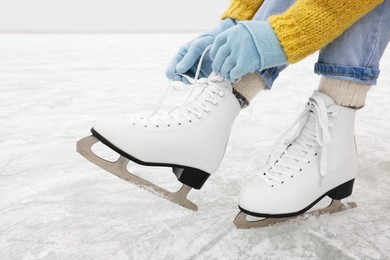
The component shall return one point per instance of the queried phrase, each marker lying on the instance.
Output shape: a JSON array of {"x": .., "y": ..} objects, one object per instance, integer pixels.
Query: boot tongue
[
  {"x": 327, "y": 100},
  {"x": 311, "y": 121},
  {"x": 202, "y": 91}
]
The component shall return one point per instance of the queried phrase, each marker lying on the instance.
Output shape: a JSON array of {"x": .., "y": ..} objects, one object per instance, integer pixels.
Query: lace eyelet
[
  {"x": 190, "y": 121},
  {"x": 308, "y": 162},
  {"x": 157, "y": 126},
  {"x": 300, "y": 169},
  {"x": 272, "y": 186},
  {"x": 315, "y": 154},
  {"x": 282, "y": 182},
  {"x": 145, "y": 126},
  {"x": 264, "y": 174},
  {"x": 179, "y": 124},
  {"x": 221, "y": 94},
  {"x": 292, "y": 176},
  {"x": 169, "y": 125}
]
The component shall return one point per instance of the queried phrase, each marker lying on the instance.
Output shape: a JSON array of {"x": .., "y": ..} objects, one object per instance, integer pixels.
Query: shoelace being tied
[
  {"x": 190, "y": 106},
  {"x": 312, "y": 131}
]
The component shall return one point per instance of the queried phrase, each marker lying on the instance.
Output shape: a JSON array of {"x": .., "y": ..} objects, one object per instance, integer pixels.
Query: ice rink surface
[{"x": 54, "y": 204}]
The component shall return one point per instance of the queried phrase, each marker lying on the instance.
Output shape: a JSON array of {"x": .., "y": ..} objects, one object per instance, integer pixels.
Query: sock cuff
[
  {"x": 344, "y": 92},
  {"x": 249, "y": 86}
]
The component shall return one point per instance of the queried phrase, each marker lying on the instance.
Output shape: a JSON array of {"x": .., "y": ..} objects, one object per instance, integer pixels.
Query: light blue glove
[
  {"x": 186, "y": 60},
  {"x": 246, "y": 47}
]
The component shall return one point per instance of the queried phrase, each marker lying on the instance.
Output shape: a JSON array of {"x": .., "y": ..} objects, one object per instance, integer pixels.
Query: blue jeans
[{"x": 354, "y": 55}]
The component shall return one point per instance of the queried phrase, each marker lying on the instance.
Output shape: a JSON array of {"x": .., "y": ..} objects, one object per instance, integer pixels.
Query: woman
[{"x": 243, "y": 55}]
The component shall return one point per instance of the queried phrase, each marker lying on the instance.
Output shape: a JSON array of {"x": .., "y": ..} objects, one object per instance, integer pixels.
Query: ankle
[
  {"x": 344, "y": 92},
  {"x": 247, "y": 88}
]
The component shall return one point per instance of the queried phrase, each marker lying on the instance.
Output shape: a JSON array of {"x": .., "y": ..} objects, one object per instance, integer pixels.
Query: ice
[{"x": 56, "y": 205}]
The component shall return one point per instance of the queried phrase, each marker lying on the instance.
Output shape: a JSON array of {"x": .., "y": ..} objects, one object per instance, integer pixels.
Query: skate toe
[
  {"x": 116, "y": 133},
  {"x": 252, "y": 199}
]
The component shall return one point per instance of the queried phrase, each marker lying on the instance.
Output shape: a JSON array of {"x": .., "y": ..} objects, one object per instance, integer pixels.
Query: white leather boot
[
  {"x": 190, "y": 138},
  {"x": 319, "y": 160}
]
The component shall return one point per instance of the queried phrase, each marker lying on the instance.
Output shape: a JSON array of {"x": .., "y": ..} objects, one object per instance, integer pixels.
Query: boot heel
[
  {"x": 192, "y": 177},
  {"x": 342, "y": 191}
]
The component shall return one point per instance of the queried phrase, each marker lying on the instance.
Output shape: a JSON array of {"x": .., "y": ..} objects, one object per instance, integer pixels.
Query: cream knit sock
[
  {"x": 247, "y": 88},
  {"x": 344, "y": 92}
]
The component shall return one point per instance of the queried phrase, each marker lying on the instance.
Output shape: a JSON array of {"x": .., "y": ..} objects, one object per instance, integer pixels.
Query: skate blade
[
  {"x": 335, "y": 206},
  {"x": 119, "y": 169}
]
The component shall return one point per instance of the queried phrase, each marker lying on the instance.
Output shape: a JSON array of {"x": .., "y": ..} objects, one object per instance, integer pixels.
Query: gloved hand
[
  {"x": 186, "y": 60},
  {"x": 246, "y": 47}
]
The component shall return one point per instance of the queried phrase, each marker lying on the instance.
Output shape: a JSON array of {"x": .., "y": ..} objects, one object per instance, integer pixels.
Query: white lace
[
  {"x": 312, "y": 134},
  {"x": 191, "y": 106}
]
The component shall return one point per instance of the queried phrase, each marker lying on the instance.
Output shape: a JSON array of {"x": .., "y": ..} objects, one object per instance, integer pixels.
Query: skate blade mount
[
  {"x": 335, "y": 206},
  {"x": 119, "y": 169}
]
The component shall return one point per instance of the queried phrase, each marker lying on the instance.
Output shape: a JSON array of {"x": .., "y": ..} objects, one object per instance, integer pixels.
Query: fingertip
[
  {"x": 169, "y": 73},
  {"x": 176, "y": 78},
  {"x": 234, "y": 75},
  {"x": 189, "y": 60},
  {"x": 182, "y": 66},
  {"x": 215, "y": 67},
  {"x": 213, "y": 52},
  {"x": 185, "y": 81}
]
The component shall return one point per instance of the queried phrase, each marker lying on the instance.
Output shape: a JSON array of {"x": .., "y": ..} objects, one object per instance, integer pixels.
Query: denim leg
[
  {"x": 355, "y": 55},
  {"x": 268, "y": 8}
]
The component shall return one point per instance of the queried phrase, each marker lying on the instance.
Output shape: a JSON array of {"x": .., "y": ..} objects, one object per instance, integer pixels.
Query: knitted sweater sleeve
[
  {"x": 242, "y": 9},
  {"x": 309, "y": 25}
]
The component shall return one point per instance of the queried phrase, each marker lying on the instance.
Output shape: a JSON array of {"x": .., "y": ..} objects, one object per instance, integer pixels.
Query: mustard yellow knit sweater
[{"x": 308, "y": 25}]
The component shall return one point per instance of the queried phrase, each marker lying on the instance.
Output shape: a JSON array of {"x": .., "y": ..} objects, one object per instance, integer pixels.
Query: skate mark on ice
[
  {"x": 211, "y": 244},
  {"x": 330, "y": 249}
]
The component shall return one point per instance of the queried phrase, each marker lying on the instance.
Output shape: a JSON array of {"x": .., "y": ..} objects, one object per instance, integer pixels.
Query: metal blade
[
  {"x": 335, "y": 206},
  {"x": 119, "y": 169}
]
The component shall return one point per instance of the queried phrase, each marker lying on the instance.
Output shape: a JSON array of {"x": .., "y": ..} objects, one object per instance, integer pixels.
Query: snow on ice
[{"x": 56, "y": 205}]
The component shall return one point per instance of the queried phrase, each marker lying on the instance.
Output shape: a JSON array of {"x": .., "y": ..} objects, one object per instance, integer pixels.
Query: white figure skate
[
  {"x": 191, "y": 139},
  {"x": 319, "y": 160}
]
